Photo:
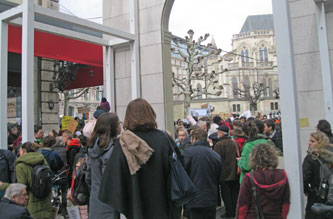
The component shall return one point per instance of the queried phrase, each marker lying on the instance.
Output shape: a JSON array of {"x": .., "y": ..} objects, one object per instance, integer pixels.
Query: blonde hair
[{"x": 321, "y": 138}]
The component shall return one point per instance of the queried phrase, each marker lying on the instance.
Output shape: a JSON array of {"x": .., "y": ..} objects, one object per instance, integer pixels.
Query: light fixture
[
  {"x": 51, "y": 105},
  {"x": 91, "y": 72}
]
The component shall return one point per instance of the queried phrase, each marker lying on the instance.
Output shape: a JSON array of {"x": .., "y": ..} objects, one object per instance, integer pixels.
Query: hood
[
  {"x": 325, "y": 153},
  {"x": 45, "y": 151},
  {"x": 31, "y": 158},
  {"x": 272, "y": 181},
  {"x": 75, "y": 142},
  {"x": 97, "y": 151}
]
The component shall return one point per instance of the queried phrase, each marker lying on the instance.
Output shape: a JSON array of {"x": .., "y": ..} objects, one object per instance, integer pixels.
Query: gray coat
[{"x": 97, "y": 160}]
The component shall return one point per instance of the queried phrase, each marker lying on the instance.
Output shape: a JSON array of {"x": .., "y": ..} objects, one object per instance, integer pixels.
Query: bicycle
[{"x": 59, "y": 192}]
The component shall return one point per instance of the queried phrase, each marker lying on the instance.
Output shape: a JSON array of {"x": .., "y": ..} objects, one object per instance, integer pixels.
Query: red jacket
[
  {"x": 241, "y": 142},
  {"x": 272, "y": 191}
]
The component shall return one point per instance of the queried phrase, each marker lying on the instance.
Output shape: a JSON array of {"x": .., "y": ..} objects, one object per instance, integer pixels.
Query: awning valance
[{"x": 66, "y": 49}]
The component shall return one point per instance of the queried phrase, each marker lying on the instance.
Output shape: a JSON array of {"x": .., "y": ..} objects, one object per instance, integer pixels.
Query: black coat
[
  {"x": 11, "y": 210},
  {"x": 277, "y": 139},
  {"x": 311, "y": 181},
  {"x": 146, "y": 194},
  {"x": 10, "y": 161},
  {"x": 204, "y": 167}
]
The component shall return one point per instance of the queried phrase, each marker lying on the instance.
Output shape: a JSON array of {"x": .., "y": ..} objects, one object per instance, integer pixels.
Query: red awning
[{"x": 66, "y": 49}]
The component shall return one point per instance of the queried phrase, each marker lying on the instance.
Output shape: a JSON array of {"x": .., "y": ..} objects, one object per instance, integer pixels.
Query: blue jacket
[
  {"x": 53, "y": 159},
  {"x": 204, "y": 167},
  {"x": 9, "y": 209}
]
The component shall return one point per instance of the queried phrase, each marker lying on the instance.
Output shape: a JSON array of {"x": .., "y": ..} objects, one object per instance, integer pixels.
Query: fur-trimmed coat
[{"x": 311, "y": 174}]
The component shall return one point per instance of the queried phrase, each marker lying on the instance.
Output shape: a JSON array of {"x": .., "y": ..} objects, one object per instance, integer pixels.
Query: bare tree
[
  {"x": 196, "y": 58},
  {"x": 64, "y": 74},
  {"x": 69, "y": 96},
  {"x": 254, "y": 93}
]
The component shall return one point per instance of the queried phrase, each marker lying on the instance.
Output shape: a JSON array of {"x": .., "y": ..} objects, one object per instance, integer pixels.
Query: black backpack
[
  {"x": 4, "y": 168},
  {"x": 81, "y": 191},
  {"x": 41, "y": 185}
]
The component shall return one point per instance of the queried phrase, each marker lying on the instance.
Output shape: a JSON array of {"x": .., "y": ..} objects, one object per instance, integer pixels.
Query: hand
[{"x": 0, "y": 183}]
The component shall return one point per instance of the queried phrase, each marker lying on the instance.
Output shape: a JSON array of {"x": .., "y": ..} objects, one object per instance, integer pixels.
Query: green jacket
[
  {"x": 38, "y": 208},
  {"x": 243, "y": 163}
]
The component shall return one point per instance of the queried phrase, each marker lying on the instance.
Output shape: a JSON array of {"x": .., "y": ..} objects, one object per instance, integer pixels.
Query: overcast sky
[{"x": 220, "y": 18}]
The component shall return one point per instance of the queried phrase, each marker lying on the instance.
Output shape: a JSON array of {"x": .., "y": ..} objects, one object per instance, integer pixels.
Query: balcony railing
[
  {"x": 247, "y": 64},
  {"x": 232, "y": 66},
  {"x": 264, "y": 64}
]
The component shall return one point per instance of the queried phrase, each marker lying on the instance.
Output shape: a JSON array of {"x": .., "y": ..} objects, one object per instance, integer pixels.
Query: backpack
[
  {"x": 41, "y": 185},
  {"x": 81, "y": 191},
  {"x": 325, "y": 190},
  {"x": 4, "y": 168}
]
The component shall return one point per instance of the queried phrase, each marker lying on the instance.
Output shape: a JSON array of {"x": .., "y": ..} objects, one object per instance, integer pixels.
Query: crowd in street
[{"x": 108, "y": 168}]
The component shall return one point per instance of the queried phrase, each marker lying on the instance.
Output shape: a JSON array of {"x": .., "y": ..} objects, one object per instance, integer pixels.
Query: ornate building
[{"x": 252, "y": 60}]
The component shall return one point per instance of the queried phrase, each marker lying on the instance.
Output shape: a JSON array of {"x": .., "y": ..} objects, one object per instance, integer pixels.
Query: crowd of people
[{"x": 116, "y": 168}]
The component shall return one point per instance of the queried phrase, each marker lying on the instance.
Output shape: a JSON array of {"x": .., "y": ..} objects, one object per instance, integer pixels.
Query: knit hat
[
  {"x": 105, "y": 104},
  {"x": 223, "y": 128},
  {"x": 217, "y": 120}
]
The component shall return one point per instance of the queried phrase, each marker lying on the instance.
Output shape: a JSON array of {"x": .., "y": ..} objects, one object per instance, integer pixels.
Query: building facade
[{"x": 251, "y": 61}]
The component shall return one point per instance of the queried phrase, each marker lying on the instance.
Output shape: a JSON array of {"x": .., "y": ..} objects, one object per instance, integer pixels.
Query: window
[
  {"x": 253, "y": 107},
  {"x": 246, "y": 82},
  {"x": 236, "y": 107},
  {"x": 234, "y": 87},
  {"x": 263, "y": 53},
  {"x": 86, "y": 95},
  {"x": 70, "y": 111},
  {"x": 245, "y": 55},
  {"x": 270, "y": 89},
  {"x": 199, "y": 90},
  {"x": 274, "y": 105},
  {"x": 265, "y": 85},
  {"x": 40, "y": 2}
]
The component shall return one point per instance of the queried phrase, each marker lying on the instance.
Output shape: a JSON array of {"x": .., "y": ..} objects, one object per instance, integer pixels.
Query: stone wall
[
  {"x": 49, "y": 117},
  {"x": 307, "y": 64},
  {"x": 153, "y": 89}
]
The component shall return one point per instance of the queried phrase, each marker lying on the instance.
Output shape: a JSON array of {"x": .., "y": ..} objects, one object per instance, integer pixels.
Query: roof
[
  {"x": 5, "y": 5},
  {"x": 258, "y": 22}
]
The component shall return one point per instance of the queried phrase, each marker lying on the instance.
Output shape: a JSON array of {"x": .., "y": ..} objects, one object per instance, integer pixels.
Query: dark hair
[
  {"x": 237, "y": 122},
  {"x": 140, "y": 116},
  {"x": 324, "y": 126},
  {"x": 29, "y": 146},
  {"x": 260, "y": 126},
  {"x": 105, "y": 129},
  {"x": 270, "y": 123},
  {"x": 37, "y": 128},
  {"x": 250, "y": 129},
  {"x": 83, "y": 140},
  {"x": 61, "y": 132},
  {"x": 199, "y": 134},
  {"x": 48, "y": 141},
  {"x": 217, "y": 119}
]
